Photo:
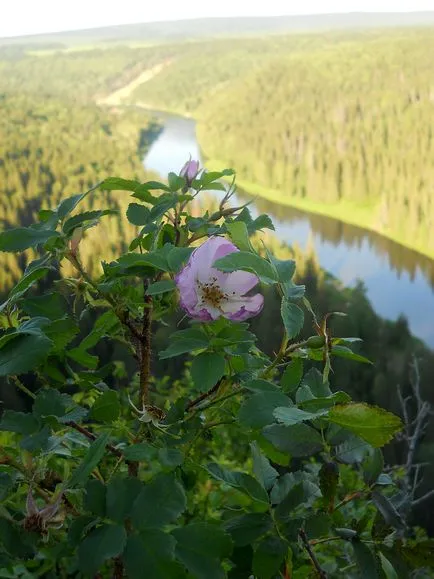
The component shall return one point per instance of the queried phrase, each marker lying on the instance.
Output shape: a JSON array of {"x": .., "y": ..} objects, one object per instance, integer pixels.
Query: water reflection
[{"x": 397, "y": 280}]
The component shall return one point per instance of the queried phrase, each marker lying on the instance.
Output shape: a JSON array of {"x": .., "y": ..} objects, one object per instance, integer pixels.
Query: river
[{"x": 397, "y": 280}]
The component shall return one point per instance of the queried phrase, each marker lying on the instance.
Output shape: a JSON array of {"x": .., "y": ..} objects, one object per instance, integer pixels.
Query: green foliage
[{"x": 238, "y": 466}]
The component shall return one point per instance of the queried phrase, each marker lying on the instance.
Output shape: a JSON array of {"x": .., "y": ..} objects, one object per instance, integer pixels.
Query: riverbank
[{"x": 345, "y": 211}]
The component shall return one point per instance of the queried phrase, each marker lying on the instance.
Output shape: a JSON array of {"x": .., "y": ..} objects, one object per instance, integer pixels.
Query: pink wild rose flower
[{"x": 207, "y": 293}]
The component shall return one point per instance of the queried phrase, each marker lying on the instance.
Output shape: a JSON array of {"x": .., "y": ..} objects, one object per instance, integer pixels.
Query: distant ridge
[{"x": 240, "y": 26}]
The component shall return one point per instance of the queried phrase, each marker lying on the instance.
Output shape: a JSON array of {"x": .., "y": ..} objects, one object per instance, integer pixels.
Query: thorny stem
[
  {"x": 321, "y": 573},
  {"x": 145, "y": 348},
  {"x": 204, "y": 395}
]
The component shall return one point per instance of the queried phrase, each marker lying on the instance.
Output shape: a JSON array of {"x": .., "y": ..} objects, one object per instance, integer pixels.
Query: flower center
[{"x": 211, "y": 293}]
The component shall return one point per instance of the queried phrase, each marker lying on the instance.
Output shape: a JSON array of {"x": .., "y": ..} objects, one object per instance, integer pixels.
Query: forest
[{"x": 329, "y": 123}]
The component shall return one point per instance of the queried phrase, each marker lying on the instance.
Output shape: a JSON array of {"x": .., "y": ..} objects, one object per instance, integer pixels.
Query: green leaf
[
  {"x": 84, "y": 358},
  {"x": 285, "y": 269},
  {"x": 207, "y": 369},
  {"x": 22, "y": 353},
  {"x": 175, "y": 182},
  {"x": 68, "y": 205},
  {"x": 328, "y": 481},
  {"x": 298, "y": 440},
  {"x": 151, "y": 554},
  {"x": 177, "y": 257},
  {"x": 107, "y": 407},
  {"x": 140, "y": 451},
  {"x": 388, "y": 511},
  {"x": 27, "y": 281},
  {"x": 257, "y": 410},
  {"x": 83, "y": 219},
  {"x": 314, "y": 380},
  {"x": 373, "y": 424},
  {"x": 262, "y": 468},
  {"x": 94, "y": 454},
  {"x": 183, "y": 346},
  {"x": 372, "y": 466},
  {"x": 19, "y": 422},
  {"x": 260, "y": 385},
  {"x": 367, "y": 562},
  {"x": 95, "y": 497},
  {"x": 160, "y": 287},
  {"x": 292, "y": 317},
  {"x": 201, "y": 547},
  {"x": 6, "y": 485},
  {"x": 344, "y": 352},
  {"x": 246, "y": 261},
  {"x": 245, "y": 529},
  {"x": 166, "y": 492},
  {"x": 269, "y": 557},
  {"x": 51, "y": 402},
  {"x": 263, "y": 221},
  {"x": 100, "y": 544},
  {"x": 50, "y": 305},
  {"x": 120, "y": 497},
  {"x": 22, "y": 238},
  {"x": 294, "y": 415},
  {"x": 238, "y": 233},
  {"x": 292, "y": 376},
  {"x": 239, "y": 480},
  {"x": 138, "y": 214},
  {"x": 170, "y": 457}
]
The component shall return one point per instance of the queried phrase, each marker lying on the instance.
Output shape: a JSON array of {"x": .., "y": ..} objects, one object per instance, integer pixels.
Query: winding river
[{"x": 397, "y": 280}]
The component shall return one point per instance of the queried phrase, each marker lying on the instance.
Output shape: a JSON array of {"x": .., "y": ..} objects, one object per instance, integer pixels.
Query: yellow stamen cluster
[{"x": 211, "y": 293}]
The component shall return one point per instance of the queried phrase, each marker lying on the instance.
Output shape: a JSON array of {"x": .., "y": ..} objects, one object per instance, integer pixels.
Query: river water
[{"x": 397, "y": 280}]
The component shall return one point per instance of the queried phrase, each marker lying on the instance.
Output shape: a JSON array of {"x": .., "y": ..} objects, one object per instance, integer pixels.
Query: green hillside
[{"x": 339, "y": 124}]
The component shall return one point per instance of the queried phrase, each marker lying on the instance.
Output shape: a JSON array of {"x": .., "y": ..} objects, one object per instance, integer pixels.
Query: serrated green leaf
[
  {"x": 239, "y": 235},
  {"x": 257, "y": 410},
  {"x": 19, "y": 422},
  {"x": 344, "y": 352},
  {"x": 207, "y": 369},
  {"x": 23, "y": 353},
  {"x": 269, "y": 557},
  {"x": 292, "y": 376},
  {"x": 262, "y": 468},
  {"x": 140, "y": 451},
  {"x": 106, "y": 407},
  {"x": 239, "y": 480},
  {"x": 138, "y": 214},
  {"x": 373, "y": 424},
  {"x": 100, "y": 544},
  {"x": 50, "y": 305},
  {"x": 83, "y": 219},
  {"x": 66, "y": 206},
  {"x": 372, "y": 466},
  {"x": 151, "y": 553},
  {"x": 160, "y": 287},
  {"x": 84, "y": 358},
  {"x": 95, "y": 497},
  {"x": 166, "y": 492},
  {"x": 120, "y": 497},
  {"x": 246, "y": 261},
  {"x": 245, "y": 529},
  {"x": 292, "y": 317},
  {"x": 298, "y": 440},
  {"x": 201, "y": 547},
  {"x": 22, "y": 238},
  {"x": 294, "y": 415}
]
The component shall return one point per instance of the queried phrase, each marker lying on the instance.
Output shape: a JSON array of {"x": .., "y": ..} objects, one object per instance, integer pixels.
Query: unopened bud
[
  {"x": 75, "y": 240},
  {"x": 190, "y": 171}
]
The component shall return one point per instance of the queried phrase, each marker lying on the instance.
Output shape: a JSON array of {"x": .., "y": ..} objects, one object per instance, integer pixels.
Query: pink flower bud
[
  {"x": 75, "y": 240},
  {"x": 190, "y": 171}
]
